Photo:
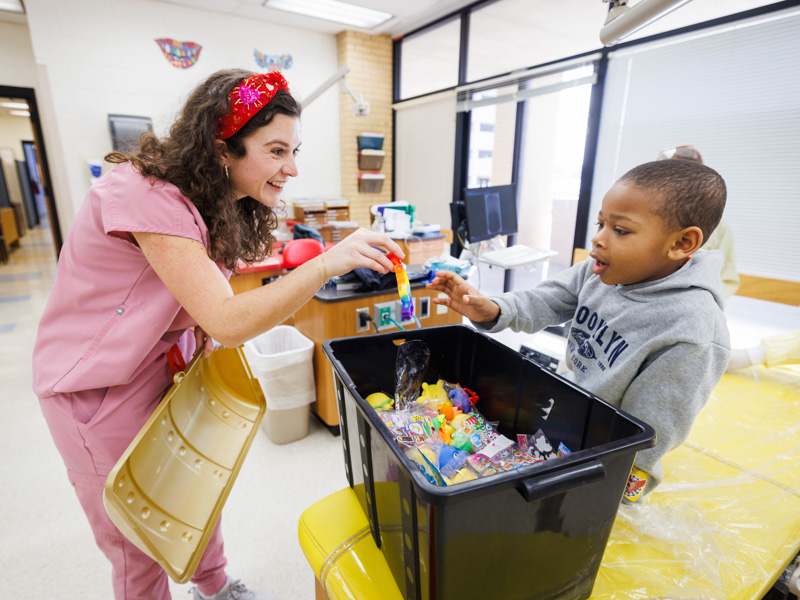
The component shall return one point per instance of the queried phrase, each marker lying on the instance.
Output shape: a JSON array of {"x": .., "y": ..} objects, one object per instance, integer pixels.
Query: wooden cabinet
[
  {"x": 8, "y": 227},
  {"x": 318, "y": 214},
  {"x": 418, "y": 250}
]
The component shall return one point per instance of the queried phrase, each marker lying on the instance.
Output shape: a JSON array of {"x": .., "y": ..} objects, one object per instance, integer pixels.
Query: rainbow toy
[{"x": 403, "y": 288}]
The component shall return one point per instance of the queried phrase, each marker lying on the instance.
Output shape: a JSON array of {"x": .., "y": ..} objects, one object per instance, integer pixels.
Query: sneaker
[{"x": 232, "y": 590}]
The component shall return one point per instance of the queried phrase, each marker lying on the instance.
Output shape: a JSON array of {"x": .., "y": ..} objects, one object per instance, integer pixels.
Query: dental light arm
[
  {"x": 360, "y": 106},
  {"x": 623, "y": 20}
]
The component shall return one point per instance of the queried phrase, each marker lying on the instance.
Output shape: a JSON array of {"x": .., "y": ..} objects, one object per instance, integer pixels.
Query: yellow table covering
[{"x": 724, "y": 524}]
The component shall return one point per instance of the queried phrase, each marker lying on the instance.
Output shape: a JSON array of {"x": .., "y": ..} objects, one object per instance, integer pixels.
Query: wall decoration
[
  {"x": 181, "y": 55},
  {"x": 273, "y": 62}
]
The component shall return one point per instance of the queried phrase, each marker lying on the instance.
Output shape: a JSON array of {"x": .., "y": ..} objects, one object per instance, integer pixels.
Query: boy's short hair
[{"x": 688, "y": 194}]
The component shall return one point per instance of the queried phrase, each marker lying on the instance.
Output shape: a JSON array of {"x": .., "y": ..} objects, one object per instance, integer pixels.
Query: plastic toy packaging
[
  {"x": 442, "y": 464},
  {"x": 412, "y": 361},
  {"x": 441, "y": 430}
]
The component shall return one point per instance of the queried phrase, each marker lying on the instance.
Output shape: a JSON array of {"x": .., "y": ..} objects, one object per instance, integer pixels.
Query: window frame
[{"x": 463, "y": 123}]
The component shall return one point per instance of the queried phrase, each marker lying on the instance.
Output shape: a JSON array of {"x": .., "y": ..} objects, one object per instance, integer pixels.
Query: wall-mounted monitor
[
  {"x": 490, "y": 211},
  {"x": 125, "y": 131}
]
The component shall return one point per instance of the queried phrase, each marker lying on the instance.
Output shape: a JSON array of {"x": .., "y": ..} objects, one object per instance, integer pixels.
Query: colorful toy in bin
[
  {"x": 380, "y": 401},
  {"x": 462, "y": 398},
  {"x": 403, "y": 288},
  {"x": 434, "y": 396}
]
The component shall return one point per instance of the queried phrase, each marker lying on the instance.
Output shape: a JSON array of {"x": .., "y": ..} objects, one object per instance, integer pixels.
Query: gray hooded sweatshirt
[{"x": 656, "y": 350}]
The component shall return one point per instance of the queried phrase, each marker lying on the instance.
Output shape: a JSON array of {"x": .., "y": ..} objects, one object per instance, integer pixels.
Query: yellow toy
[
  {"x": 434, "y": 395},
  {"x": 461, "y": 475},
  {"x": 446, "y": 433},
  {"x": 380, "y": 401}
]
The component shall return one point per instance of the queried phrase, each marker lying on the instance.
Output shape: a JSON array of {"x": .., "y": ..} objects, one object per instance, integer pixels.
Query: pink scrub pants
[{"x": 91, "y": 430}]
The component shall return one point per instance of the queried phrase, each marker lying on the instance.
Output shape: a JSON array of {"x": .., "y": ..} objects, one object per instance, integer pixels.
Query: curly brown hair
[{"x": 238, "y": 230}]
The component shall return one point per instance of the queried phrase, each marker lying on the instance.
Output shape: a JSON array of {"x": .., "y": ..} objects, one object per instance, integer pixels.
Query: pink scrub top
[{"x": 109, "y": 315}]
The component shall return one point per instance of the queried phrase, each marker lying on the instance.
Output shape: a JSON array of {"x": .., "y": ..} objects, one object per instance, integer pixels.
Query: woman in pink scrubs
[{"x": 143, "y": 275}]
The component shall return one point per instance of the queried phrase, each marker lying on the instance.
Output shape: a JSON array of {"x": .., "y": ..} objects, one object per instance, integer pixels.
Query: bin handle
[{"x": 538, "y": 487}]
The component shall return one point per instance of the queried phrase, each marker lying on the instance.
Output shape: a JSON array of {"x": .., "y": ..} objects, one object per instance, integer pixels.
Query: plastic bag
[{"x": 412, "y": 362}]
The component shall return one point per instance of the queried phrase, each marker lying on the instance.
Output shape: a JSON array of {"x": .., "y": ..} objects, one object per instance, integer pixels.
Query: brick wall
[{"x": 370, "y": 61}]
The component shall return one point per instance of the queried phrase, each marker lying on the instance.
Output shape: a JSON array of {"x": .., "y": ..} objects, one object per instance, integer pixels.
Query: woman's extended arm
[{"x": 199, "y": 286}]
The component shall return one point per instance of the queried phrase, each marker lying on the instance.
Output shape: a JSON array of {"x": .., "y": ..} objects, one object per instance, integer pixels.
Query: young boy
[{"x": 648, "y": 333}]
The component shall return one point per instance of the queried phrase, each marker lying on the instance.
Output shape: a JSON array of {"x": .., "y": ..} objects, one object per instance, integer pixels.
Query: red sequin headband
[{"x": 247, "y": 98}]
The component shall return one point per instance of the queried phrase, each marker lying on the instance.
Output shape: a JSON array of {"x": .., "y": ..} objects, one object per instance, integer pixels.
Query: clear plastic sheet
[{"x": 725, "y": 522}]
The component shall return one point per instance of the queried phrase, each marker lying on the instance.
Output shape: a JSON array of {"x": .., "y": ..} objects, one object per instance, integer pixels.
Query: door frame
[{"x": 29, "y": 95}]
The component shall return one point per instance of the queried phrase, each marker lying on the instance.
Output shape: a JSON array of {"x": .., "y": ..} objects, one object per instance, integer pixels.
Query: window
[
  {"x": 491, "y": 140},
  {"x": 550, "y": 164},
  {"x": 429, "y": 59},
  {"x": 732, "y": 93},
  {"x": 512, "y": 34}
]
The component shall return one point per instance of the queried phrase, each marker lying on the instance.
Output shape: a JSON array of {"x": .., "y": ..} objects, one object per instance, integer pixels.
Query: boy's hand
[{"x": 463, "y": 298}]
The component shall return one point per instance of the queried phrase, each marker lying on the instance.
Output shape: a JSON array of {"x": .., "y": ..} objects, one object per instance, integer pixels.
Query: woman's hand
[
  {"x": 358, "y": 250},
  {"x": 201, "y": 338},
  {"x": 463, "y": 298}
]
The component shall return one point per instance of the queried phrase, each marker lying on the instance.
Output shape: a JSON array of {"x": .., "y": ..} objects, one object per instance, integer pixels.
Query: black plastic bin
[{"x": 535, "y": 532}]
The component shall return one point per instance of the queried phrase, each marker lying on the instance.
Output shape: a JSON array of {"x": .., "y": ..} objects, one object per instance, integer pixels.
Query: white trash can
[{"x": 282, "y": 361}]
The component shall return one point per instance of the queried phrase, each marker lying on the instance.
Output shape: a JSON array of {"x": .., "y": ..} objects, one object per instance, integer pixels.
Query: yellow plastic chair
[
  {"x": 346, "y": 562},
  {"x": 166, "y": 492}
]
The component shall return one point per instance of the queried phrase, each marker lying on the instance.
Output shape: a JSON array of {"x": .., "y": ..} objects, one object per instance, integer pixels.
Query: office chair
[{"x": 296, "y": 252}]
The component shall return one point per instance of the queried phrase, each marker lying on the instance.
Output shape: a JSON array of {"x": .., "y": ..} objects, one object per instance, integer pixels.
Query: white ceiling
[{"x": 408, "y": 14}]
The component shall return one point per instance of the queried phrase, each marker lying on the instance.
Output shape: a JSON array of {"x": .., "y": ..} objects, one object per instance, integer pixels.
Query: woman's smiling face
[{"x": 268, "y": 162}]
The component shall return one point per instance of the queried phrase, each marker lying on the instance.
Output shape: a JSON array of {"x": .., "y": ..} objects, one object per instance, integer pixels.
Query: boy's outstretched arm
[{"x": 463, "y": 298}]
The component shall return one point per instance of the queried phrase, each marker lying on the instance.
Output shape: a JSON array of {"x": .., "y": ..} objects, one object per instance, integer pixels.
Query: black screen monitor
[
  {"x": 125, "y": 131},
  {"x": 490, "y": 211}
]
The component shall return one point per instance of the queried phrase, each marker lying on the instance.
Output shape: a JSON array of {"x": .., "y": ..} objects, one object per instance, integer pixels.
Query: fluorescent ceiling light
[
  {"x": 12, "y": 6},
  {"x": 22, "y": 105},
  {"x": 332, "y": 10},
  {"x": 20, "y": 113}
]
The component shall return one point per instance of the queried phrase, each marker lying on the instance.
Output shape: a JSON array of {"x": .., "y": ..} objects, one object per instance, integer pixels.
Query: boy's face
[{"x": 632, "y": 243}]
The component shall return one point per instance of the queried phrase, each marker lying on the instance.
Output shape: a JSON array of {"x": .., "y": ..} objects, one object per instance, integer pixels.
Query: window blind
[
  {"x": 425, "y": 140},
  {"x": 529, "y": 83},
  {"x": 731, "y": 92}
]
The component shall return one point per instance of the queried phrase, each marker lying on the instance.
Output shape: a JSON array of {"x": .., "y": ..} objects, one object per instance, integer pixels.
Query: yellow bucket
[{"x": 166, "y": 492}]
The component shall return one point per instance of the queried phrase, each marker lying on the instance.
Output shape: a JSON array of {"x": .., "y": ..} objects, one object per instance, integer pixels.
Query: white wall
[
  {"x": 95, "y": 57},
  {"x": 17, "y": 67}
]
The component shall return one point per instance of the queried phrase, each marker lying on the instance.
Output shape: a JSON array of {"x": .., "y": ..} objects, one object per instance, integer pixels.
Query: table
[
  {"x": 332, "y": 314},
  {"x": 724, "y": 524}
]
